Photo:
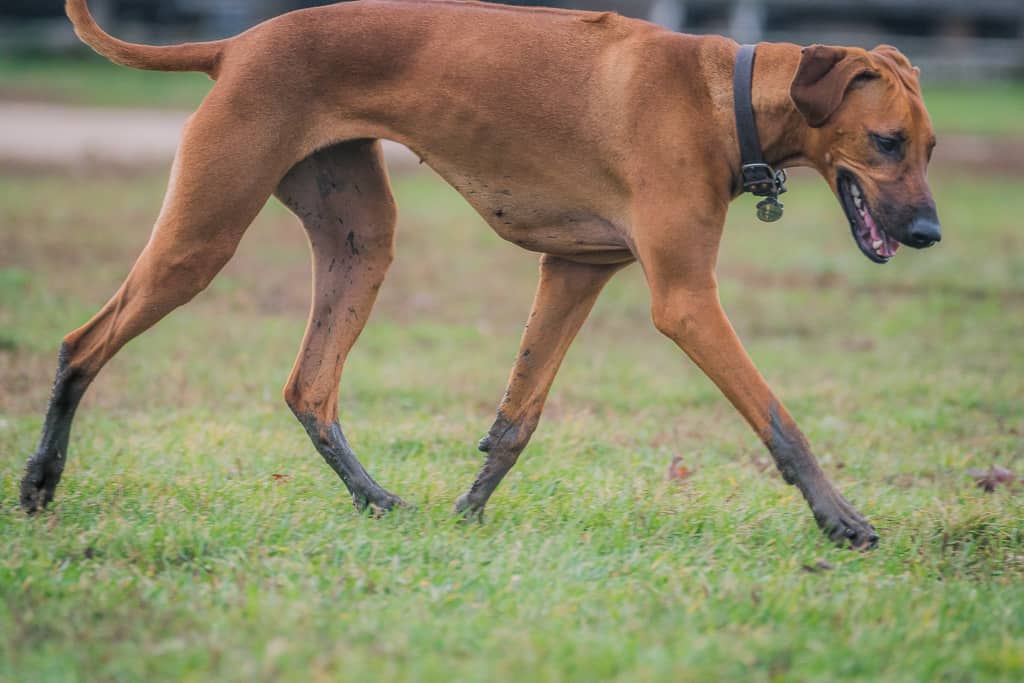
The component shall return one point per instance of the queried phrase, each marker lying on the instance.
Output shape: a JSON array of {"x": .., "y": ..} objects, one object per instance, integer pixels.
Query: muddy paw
[
  {"x": 37, "y": 490},
  {"x": 845, "y": 526},
  {"x": 378, "y": 504},
  {"x": 466, "y": 510}
]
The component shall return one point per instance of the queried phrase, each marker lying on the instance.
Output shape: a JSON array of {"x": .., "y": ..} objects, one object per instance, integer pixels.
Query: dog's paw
[
  {"x": 37, "y": 489},
  {"x": 841, "y": 522},
  {"x": 467, "y": 511},
  {"x": 378, "y": 504}
]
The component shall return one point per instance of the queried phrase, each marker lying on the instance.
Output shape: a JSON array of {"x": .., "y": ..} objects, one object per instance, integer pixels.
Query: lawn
[{"x": 197, "y": 535}]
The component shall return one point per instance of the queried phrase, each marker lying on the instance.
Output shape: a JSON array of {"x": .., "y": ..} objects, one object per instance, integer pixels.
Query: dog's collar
[{"x": 756, "y": 176}]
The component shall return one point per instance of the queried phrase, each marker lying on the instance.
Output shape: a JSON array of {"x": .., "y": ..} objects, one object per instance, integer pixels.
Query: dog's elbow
[
  {"x": 678, "y": 316},
  {"x": 676, "y": 325}
]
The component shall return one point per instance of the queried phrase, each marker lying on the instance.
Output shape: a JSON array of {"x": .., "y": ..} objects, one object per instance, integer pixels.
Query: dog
[{"x": 593, "y": 139}]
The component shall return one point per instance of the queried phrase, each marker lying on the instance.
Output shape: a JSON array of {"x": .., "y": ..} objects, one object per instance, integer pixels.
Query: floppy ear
[
  {"x": 894, "y": 54},
  {"x": 822, "y": 79},
  {"x": 899, "y": 63}
]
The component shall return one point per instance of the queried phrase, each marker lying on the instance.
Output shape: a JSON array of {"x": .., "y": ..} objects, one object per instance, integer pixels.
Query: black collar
[{"x": 756, "y": 176}]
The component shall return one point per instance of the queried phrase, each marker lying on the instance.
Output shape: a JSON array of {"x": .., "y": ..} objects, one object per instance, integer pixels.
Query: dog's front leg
[{"x": 679, "y": 265}]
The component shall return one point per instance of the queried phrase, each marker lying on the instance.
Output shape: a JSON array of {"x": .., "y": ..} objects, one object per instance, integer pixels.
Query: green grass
[
  {"x": 173, "y": 553},
  {"x": 990, "y": 109},
  {"x": 95, "y": 82}
]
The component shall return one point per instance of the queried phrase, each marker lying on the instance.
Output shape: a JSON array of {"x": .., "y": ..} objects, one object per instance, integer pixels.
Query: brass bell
[{"x": 769, "y": 210}]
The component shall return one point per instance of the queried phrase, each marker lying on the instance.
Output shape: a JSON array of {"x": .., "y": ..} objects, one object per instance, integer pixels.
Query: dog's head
[{"x": 872, "y": 140}]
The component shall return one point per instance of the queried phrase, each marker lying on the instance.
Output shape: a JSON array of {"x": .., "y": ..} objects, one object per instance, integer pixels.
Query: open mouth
[{"x": 872, "y": 240}]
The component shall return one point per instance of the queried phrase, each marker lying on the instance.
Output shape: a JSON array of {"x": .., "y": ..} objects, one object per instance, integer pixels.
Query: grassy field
[
  {"x": 989, "y": 109},
  {"x": 197, "y": 535}
]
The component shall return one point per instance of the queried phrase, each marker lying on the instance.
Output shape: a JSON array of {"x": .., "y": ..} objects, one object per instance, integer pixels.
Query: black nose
[{"x": 924, "y": 232}]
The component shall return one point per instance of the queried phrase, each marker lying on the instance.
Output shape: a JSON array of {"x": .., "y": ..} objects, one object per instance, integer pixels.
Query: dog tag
[{"x": 769, "y": 210}]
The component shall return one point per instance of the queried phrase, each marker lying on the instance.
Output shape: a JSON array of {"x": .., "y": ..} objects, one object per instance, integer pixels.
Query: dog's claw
[
  {"x": 845, "y": 526},
  {"x": 379, "y": 504},
  {"x": 467, "y": 511},
  {"x": 37, "y": 489},
  {"x": 34, "y": 499},
  {"x": 858, "y": 536}
]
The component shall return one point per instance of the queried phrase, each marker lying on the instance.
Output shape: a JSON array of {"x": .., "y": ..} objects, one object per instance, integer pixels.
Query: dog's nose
[{"x": 924, "y": 232}]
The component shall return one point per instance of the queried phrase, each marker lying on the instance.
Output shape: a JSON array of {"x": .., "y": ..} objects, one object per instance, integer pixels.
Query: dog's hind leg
[
  {"x": 220, "y": 180},
  {"x": 342, "y": 196},
  {"x": 565, "y": 294}
]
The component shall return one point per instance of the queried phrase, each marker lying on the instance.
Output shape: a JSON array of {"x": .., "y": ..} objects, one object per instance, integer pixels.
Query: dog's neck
[{"x": 785, "y": 135}]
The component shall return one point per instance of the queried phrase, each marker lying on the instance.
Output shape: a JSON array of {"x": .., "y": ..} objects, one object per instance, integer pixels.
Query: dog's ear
[
  {"x": 898, "y": 62},
  {"x": 822, "y": 79}
]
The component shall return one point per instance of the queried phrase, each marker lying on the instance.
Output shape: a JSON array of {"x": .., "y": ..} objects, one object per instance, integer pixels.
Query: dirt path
[{"x": 54, "y": 136}]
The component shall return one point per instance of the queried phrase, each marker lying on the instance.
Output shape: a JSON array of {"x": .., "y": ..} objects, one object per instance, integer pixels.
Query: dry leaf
[
  {"x": 677, "y": 471},
  {"x": 281, "y": 477},
  {"x": 995, "y": 476}
]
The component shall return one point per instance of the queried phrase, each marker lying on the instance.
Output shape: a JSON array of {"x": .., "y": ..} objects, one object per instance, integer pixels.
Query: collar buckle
[{"x": 761, "y": 180}]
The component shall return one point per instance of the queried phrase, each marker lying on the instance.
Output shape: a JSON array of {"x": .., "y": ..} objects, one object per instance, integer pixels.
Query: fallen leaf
[
  {"x": 995, "y": 476},
  {"x": 819, "y": 566},
  {"x": 677, "y": 471},
  {"x": 858, "y": 344},
  {"x": 281, "y": 477}
]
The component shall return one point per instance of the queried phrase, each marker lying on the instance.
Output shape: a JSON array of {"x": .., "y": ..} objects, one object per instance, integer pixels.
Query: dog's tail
[{"x": 203, "y": 57}]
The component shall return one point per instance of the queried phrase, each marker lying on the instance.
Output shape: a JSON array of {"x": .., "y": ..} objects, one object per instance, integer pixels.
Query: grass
[
  {"x": 93, "y": 81},
  {"x": 175, "y": 551},
  {"x": 984, "y": 108},
  {"x": 988, "y": 109}
]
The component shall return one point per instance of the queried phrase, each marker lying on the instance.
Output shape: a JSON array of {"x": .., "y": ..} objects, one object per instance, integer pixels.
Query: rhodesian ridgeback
[{"x": 593, "y": 139}]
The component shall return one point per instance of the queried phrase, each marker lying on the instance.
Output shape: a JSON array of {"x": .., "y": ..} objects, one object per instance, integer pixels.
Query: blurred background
[{"x": 952, "y": 39}]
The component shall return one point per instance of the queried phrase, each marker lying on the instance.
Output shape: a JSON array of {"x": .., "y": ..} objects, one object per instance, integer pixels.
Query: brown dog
[{"x": 571, "y": 133}]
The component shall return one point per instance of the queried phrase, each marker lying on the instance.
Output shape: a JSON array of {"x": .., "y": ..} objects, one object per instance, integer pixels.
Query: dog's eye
[{"x": 890, "y": 146}]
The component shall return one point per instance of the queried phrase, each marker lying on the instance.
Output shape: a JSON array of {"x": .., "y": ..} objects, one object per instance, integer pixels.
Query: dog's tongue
[{"x": 888, "y": 245}]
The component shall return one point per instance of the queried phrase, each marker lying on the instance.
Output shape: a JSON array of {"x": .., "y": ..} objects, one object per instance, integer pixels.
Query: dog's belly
[
  {"x": 574, "y": 235},
  {"x": 544, "y": 220}
]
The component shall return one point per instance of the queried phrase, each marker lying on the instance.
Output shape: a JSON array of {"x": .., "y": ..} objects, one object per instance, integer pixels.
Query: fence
[{"x": 950, "y": 39}]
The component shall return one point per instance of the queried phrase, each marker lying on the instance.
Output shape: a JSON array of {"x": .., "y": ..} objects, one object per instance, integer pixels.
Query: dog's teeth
[
  {"x": 858, "y": 202},
  {"x": 855, "y": 191},
  {"x": 877, "y": 244}
]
